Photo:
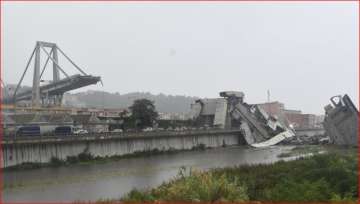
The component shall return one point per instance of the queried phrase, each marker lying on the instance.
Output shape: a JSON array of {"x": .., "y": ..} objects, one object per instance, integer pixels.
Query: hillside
[{"x": 99, "y": 99}]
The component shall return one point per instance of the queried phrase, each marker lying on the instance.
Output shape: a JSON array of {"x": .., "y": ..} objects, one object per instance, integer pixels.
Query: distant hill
[{"x": 99, "y": 99}]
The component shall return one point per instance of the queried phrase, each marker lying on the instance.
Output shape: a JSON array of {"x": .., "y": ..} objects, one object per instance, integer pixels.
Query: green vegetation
[
  {"x": 143, "y": 113},
  {"x": 198, "y": 186},
  {"x": 320, "y": 178}
]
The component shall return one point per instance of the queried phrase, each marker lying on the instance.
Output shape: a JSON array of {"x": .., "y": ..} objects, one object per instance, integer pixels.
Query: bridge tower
[
  {"x": 51, "y": 94},
  {"x": 53, "y": 55}
]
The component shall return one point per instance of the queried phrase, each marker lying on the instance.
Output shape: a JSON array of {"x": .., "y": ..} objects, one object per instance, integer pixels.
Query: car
[
  {"x": 148, "y": 129},
  {"x": 80, "y": 131},
  {"x": 117, "y": 130}
]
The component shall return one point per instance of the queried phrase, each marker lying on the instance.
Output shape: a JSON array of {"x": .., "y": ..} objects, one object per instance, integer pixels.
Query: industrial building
[{"x": 294, "y": 117}]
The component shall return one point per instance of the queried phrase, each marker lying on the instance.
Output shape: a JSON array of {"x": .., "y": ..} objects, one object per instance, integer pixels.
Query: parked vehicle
[
  {"x": 80, "y": 131},
  {"x": 148, "y": 129},
  {"x": 28, "y": 131},
  {"x": 63, "y": 130},
  {"x": 117, "y": 130}
]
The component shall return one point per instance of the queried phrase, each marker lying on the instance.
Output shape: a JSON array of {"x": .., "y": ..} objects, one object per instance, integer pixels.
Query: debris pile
[
  {"x": 231, "y": 112},
  {"x": 341, "y": 121},
  {"x": 306, "y": 140}
]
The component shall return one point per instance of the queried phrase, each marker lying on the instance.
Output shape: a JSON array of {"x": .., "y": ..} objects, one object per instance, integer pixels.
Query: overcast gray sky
[{"x": 304, "y": 53}]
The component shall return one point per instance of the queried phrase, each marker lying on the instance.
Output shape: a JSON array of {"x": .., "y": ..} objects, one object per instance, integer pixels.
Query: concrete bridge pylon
[{"x": 50, "y": 94}]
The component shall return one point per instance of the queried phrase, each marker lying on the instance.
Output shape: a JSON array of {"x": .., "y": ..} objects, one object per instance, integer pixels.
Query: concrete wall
[{"x": 18, "y": 152}]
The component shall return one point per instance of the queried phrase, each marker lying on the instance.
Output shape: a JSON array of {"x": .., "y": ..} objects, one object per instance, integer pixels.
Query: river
[{"x": 111, "y": 180}]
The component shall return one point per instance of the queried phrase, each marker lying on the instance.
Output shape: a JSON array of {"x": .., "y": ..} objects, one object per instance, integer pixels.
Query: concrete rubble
[
  {"x": 231, "y": 112},
  {"x": 341, "y": 121},
  {"x": 307, "y": 140}
]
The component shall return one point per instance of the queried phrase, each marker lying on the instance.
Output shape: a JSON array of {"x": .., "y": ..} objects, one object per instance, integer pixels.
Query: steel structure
[{"x": 52, "y": 93}]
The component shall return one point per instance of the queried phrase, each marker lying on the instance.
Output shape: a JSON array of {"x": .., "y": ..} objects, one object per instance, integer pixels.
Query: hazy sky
[{"x": 304, "y": 53}]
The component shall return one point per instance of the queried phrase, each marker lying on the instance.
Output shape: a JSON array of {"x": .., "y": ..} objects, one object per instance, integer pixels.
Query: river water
[{"x": 90, "y": 182}]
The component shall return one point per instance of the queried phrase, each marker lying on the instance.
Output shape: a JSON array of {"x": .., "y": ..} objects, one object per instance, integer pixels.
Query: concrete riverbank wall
[{"x": 42, "y": 149}]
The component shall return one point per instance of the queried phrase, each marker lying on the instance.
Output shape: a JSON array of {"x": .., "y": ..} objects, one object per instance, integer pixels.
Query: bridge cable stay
[
  {"x": 22, "y": 76},
  {"x": 68, "y": 58},
  {"x": 47, "y": 60},
  {"x": 52, "y": 59},
  {"x": 58, "y": 86},
  {"x": 73, "y": 63},
  {"x": 4, "y": 87}
]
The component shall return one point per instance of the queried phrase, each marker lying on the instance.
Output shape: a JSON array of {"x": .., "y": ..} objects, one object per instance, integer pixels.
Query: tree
[{"x": 143, "y": 113}]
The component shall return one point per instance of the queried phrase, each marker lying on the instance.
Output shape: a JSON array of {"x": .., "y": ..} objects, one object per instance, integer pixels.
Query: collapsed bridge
[
  {"x": 258, "y": 128},
  {"x": 52, "y": 93}
]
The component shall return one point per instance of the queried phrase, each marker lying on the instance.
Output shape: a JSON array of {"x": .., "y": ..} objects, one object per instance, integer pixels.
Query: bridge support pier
[
  {"x": 52, "y": 93},
  {"x": 35, "y": 100}
]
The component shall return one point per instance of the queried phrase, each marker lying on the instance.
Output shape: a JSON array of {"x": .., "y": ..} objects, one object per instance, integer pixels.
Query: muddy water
[{"x": 114, "y": 179}]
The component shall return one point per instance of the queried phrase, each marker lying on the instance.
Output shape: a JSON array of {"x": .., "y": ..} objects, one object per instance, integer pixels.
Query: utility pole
[{"x": 268, "y": 101}]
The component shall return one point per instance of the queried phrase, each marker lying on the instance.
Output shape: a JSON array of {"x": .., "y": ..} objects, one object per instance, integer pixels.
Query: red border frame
[
  {"x": 259, "y": 1},
  {"x": 1, "y": 94}
]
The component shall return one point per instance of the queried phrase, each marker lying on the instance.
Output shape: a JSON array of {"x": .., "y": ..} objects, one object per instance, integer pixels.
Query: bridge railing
[{"x": 112, "y": 135}]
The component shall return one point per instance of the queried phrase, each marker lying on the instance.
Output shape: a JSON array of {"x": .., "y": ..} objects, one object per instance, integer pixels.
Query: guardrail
[{"x": 109, "y": 135}]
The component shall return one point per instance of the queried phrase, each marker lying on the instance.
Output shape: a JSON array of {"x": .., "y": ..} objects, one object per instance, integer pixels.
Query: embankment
[{"x": 45, "y": 149}]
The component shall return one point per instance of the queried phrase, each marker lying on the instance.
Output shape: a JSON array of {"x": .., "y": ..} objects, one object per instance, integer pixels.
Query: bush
[
  {"x": 84, "y": 157},
  {"x": 200, "y": 146},
  {"x": 54, "y": 161},
  {"x": 199, "y": 186},
  {"x": 291, "y": 191},
  {"x": 320, "y": 178},
  {"x": 138, "y": 196},
  {"x": 72, "y": 159}
]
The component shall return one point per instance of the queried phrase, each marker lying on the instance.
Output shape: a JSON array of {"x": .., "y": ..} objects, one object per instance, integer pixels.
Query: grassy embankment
[{"x": 320, "y": 178}]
